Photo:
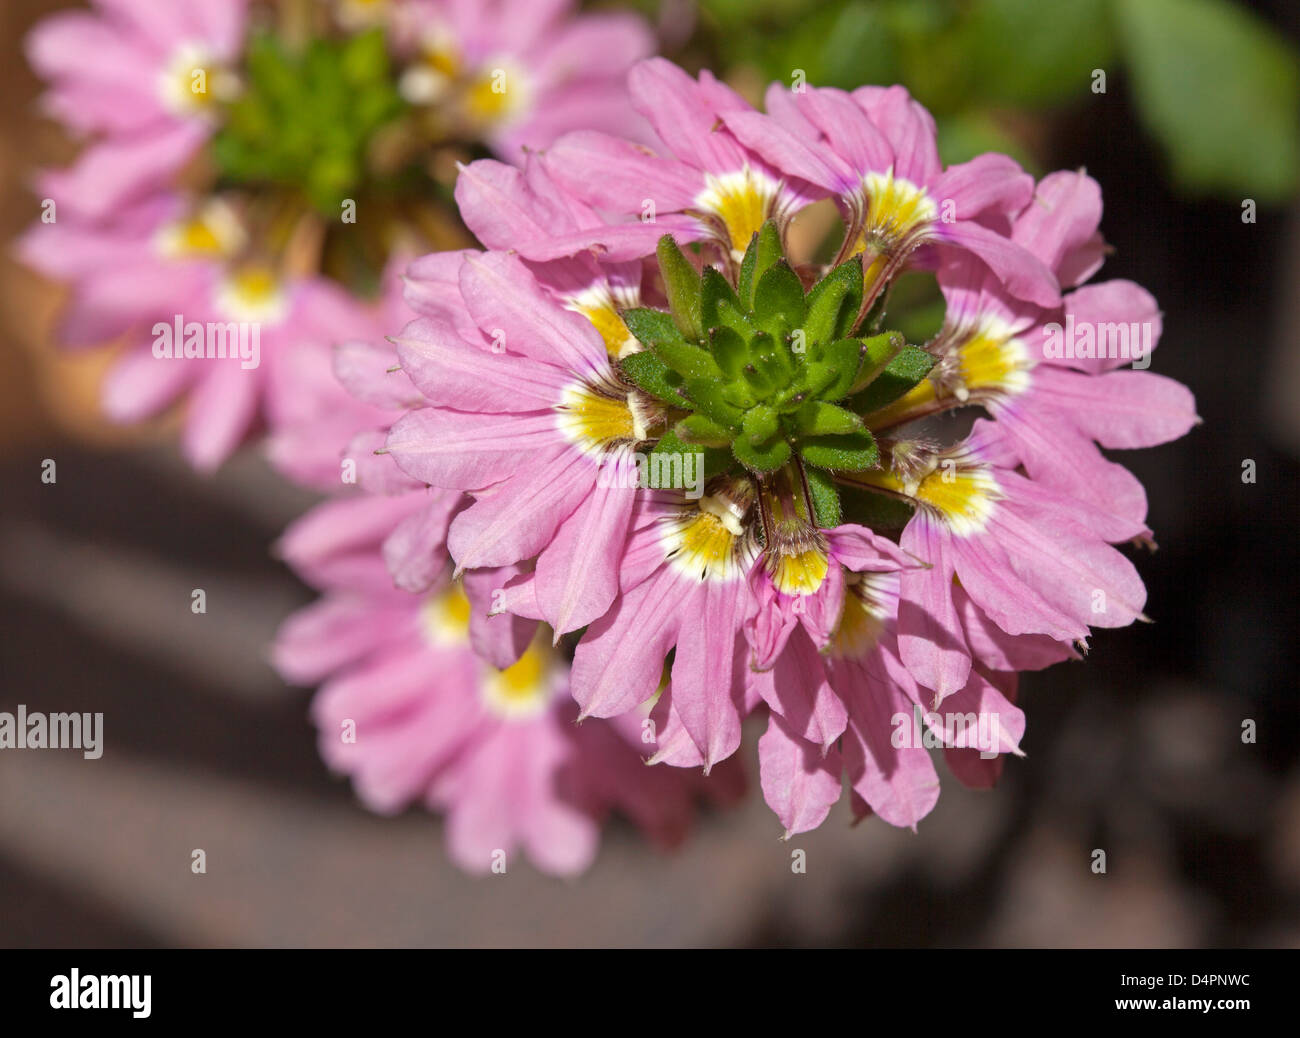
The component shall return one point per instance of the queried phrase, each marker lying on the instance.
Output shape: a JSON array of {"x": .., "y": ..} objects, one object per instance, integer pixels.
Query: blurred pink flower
[
  {"x": 518, "y": 73},
  {"x": 412, "y": 714},
  {"x": 146, "y": 77}
]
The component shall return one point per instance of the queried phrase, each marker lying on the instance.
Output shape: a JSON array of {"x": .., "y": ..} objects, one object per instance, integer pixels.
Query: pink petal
[
  {"x": 620, "y": 659},
  {"x": 899, "y": 783},
  {"x": 1062, "y": 218},
  {"x": 617, "y": 175},
  {"x": 1122, "y": 408},
  {"x": 1111, "y": 302},
  {"x": 416, "y": 550},
  {"x": 908, "y": 127},
  {"x": 578, "y": 572},
  {"x": 702, "y": 669},
  {"x": 499, "y": 639},
  {"x": 929, "y": 633},
  {"x": 798, "y": 783},
  {"x": 1019, "y": 270},
  {"x": 470, "y": 451},
  {"x": 985, "y": 182},
  {"x": 452, "y": 373},
  {"x": 504, "y": 297},
  {"x": 516, "y": 519},
  {"x": 221, "y": 412}
]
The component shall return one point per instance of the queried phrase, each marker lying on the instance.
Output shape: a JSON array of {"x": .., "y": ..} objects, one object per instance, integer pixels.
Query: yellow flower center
[
  {"x": 800, "y": 574},
  {"x": 992, "y": 361},
  {"x": 253, "y": 293},
  {"x": 896, "y": 209},
  {"x": 962, "y": 494},
  {"x": 524, "y": 689},
  {"x": 989, "y": 363},
  {"x": 446, "y": 617},
  {"x": 490, "y": 96},
  {"x": 596, "y": 421},
  {"x": 862, "y": 616},
  {"x": 193, "y": 81},
  {"x": 741, "y": 202},
  {"x": 598, "y": 305},
  {"x": 708, "y": 541},
  {"x": 213, "y": 231}
]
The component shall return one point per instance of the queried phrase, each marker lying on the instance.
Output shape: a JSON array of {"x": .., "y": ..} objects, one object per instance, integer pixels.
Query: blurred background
[{"x": 1138, "y": 751}]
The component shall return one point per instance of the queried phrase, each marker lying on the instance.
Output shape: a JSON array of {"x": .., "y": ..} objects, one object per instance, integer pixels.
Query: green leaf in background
[
  {"x": 1220, "y": 90},
  {"x": 1213, "y": 82},
  {"x": 306, "y": 118},
  {"x": 1033, "y": 54}
]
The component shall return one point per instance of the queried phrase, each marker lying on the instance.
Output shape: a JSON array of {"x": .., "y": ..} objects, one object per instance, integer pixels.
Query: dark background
[{"x": 1137, "y": 751}]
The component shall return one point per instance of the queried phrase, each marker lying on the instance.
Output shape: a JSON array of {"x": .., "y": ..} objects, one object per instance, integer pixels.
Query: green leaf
[
  {"x": 880, "y": 352},
  {"x": 1220, "y": 91},
  {"x": 729, "y": 350},
  {"x": 702, "y": 430},
  {"x": 832, "y": 304},
  {"x": 825, "y": 498},
  {"x": 761, "y": 424},
  {"x": 875, "y": 511},
  {"x": 778, "y": 300},
  {"x": 902, "y": 373},
  {"x": 648, "y": 372},
  {"x": 716, "y": 460},
  {"x": 851, "y": 452},
  {"x": 719, "y": 305},
  {"x": 650, "y": 327},
  {"x": 682, "y": 285},
  {"x": 818, "y": 418},
  {"x": 772, "y": 357},
  {"x": 710, "y": 397},
  {"x": 764, "y": 250},
  {"x": 761, "y": 459},
  {"x": 691, "y": 362},
  {"x": 845, "y": 357}
]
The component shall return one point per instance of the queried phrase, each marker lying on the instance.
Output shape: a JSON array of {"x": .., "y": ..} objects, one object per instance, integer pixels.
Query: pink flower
[
  {"x": 207, "y": 322},
  {"x": 324, "y": 395},
  {"x": 1051, "y": 402},
  {"x": 776, "y": 586},
  {"x": 154, "y": 86},
  {"x": 683, "y": 588},
  {"x": 526, "y": 414},
  {"x": 875, "y": 152},
  {"x": 828, "y": 665},
  {"x": 146, "y": 76},
  {"x": 1035, "y": 560},
  {"x": 706, "y": 186},
  {"x": 412, "y": 714},
  {"x": 518, "y": 73}
]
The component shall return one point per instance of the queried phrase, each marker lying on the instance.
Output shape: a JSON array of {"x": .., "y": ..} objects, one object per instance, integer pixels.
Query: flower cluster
[
  {"x": 252, "y": 168},
  {"x": 650, "y": 460},
  {"x": 727, "y": 481}
]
